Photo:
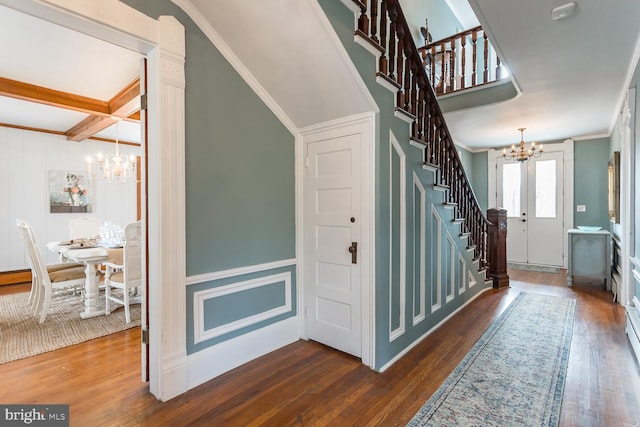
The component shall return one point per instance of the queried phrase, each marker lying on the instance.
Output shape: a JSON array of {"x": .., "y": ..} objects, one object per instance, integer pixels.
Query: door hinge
[
  {"x": 145, "y": 335},
  {"x": 306, "y": 312},
  {"x": 143, "y": 101},
  {"x": 306, "y": 162}
]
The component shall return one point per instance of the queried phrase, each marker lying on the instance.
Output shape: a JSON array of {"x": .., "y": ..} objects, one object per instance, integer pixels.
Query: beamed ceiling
[{"x": 62, "y": 82}]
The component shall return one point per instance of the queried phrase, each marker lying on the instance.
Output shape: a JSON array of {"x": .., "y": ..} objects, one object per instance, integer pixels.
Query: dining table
[{"x": 91, "y": 255}]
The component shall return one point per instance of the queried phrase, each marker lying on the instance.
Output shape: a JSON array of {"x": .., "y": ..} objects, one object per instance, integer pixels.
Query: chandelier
[
  {"x": 522, "y": 154},
  {"x": 117, "y": 167}
]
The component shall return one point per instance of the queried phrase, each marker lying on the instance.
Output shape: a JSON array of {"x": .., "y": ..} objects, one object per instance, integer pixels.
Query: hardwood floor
[{"x": 308, "y": 384}]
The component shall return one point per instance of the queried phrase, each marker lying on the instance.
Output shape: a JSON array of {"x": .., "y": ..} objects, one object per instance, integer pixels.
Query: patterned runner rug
[
  {"x": 515, "y": 373},
  {"x": 22, "y": 336}
]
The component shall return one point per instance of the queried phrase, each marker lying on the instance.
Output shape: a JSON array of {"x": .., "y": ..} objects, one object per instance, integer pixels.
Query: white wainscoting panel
[
  {"x": 436, "y": 259},
  {"x": 396, "y": 150},
  {"x": 200, "y": 297},
  {"x": 420, "y": 258}
]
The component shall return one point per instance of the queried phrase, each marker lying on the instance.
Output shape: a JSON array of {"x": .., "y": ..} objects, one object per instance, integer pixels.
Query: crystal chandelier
[
  {"x": 522, "y": 154},
  {"x": 118, "y": 167}
]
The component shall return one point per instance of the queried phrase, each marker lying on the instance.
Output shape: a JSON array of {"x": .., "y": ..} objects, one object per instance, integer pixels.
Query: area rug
[
  {"x": 22, "y": 336},
  {"x": 515, "y": 373}
]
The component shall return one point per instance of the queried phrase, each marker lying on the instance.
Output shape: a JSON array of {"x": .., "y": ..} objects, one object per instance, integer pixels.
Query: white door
[
  {"x": 331, "y": 234},
  {"x": 532, "y": 193}
]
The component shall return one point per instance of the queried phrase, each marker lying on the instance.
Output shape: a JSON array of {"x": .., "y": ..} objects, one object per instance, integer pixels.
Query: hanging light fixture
[
  {"x": 115, "y": 168},
  {"x": 521, "y": 154}
]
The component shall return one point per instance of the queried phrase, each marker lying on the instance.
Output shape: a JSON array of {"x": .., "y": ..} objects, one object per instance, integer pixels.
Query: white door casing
[
  {"x": 337, "y": 301},
  {"x": 549, "y": 247},
  {"x": 535, "y": 225}
]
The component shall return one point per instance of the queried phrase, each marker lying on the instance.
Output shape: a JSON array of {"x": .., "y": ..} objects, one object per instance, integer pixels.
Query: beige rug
[{"x": 22, "y": 336}]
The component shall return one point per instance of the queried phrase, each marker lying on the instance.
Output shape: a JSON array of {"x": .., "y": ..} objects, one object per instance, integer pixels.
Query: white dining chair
[
  {"x": 126, "y": 277},
  {"x": 84, "y": 227},
  {"x": 47, "y": 280}
]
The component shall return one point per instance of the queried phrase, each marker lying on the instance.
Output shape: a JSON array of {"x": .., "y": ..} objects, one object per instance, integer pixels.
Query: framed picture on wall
[{"x": 70, "y": 192}]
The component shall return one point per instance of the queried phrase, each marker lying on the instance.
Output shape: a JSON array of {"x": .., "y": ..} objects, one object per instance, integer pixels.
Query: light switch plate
[{"x": 581, "y": 208}]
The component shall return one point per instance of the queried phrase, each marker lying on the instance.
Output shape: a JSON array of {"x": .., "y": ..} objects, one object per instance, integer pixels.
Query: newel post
[{"x": 497, "y": 241}]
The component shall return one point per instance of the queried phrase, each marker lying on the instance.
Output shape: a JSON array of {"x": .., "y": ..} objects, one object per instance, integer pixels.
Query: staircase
[
  {"x": 463, "y": 60},
  {"x": 382, "y": 25}
]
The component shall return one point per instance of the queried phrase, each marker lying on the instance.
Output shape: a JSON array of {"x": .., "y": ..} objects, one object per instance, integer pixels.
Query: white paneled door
[
  {"x": 331, "y": 235},
  {"x": 532, "y": 194}
]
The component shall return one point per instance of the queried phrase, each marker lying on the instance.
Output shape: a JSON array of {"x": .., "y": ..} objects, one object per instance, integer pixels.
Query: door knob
[
  {"x": 353, "y": 249},
  {"x": 523, "y": 220}
]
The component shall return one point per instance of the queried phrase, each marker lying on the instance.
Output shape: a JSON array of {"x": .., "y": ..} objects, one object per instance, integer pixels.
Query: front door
[
  {"x": 532, "y": 193},
  {"x": 331, "y": 235}
]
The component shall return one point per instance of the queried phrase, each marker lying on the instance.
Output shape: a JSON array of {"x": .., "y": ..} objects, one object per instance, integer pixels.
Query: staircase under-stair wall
[{"x": 430, "y": 248}]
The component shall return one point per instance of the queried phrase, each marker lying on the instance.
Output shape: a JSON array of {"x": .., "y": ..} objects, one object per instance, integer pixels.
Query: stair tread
[
  {"x": 405, "y": 113},
  {"x": 372, "y": 42}
]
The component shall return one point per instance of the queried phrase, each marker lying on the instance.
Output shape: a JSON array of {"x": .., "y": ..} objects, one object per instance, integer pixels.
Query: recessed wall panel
[
  {"x": 327, "y": 236},
  {"x": 334, "y": 313},
  {"x": 333, "y": 201},
  {"x": 333, "y": 163},
  {"x": 335, "y": 276}
]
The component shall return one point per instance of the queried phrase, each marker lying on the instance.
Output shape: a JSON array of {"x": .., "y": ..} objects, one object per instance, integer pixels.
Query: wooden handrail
[
  {"x": 401, "y": 65},
  {"x": 451, "y": 70}
]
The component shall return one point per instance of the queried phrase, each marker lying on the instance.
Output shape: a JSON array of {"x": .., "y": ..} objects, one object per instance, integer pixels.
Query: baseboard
[
  {"x": 533, "y": 267},
  {"x": 429, "y": 332},
  {"x": 216, "y": 360},
  {"x": 15, "y": 277}
]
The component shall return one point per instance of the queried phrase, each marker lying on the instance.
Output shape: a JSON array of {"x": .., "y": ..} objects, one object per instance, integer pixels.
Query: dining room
[{"x": 67, "y": 109}]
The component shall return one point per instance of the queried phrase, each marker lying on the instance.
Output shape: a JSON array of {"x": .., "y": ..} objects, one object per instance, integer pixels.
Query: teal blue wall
[
  {"x": 240, "y": 179},
  {"x": 389, "y": 269},
  {"x": 240, "y": 174},
  {"x": 466, "y": 157},
  {"x": 480, "y": 179},
  {"x": 591, "y": 182},
  {"x": 475, "y": 166},
  {"x": 442, "y": 22}
]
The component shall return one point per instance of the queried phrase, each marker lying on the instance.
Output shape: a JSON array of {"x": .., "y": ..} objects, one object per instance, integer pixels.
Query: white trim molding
[
  {"x": 429, "y": 332},
  {"x": 436, "y": 254},
  {"x": 421, "y": 281},
  {"x": 213, "y": 361},
  {"x": 201, "y": 297},
  {"x": 394, "y": 147},
  {"x": 217, "y": 275}
]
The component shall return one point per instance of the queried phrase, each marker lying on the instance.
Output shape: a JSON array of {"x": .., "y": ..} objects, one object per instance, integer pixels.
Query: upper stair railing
[
  {"x": 461, "y": 61},
  {"x": 384, "y": 26}
]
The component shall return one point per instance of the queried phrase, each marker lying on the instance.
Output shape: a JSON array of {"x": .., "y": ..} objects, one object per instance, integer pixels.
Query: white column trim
[
  {"x": 421, "y": 280},
  {"x": 627, "y": 115},
  {"x": 167, "y": 229}
]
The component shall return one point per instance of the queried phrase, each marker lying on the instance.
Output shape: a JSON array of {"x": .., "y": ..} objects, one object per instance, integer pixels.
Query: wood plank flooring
[{"x": 308, "y": 384}]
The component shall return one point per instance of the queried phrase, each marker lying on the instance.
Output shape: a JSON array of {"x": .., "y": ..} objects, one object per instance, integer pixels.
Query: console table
[{"x": 589, "y": 255}]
